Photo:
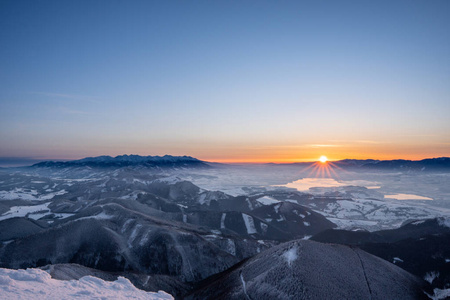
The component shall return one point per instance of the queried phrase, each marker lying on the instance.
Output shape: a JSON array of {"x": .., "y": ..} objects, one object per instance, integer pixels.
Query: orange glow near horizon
[
  {"x": 267, "y": 153},
  {"x": 299, "y": 160},
  {"x": 284, "y": 158},
  {"x": 310, "y": 152}
]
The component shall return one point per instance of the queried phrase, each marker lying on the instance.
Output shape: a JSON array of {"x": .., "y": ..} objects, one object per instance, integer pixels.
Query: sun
[{"x": 323, "y": 159}]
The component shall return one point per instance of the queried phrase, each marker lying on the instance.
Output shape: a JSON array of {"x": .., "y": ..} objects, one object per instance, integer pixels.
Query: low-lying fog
[{"x": 410, "y": 186}]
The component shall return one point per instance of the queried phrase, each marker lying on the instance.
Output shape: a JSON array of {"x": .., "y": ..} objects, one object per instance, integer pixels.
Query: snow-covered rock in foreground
[{"x": 36, "y": 283}]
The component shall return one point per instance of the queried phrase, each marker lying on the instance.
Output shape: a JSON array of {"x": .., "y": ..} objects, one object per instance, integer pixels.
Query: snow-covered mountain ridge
[{"x": 165, "y": 161}]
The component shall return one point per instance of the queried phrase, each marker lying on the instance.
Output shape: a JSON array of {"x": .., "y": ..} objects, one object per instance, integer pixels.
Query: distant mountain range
[
  {"x": 166, "y": 161},
  {"x": 169, "y": 161}
]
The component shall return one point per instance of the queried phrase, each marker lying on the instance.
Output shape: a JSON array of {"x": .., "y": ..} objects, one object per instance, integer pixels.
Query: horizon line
[{"x": 27, "y": 160}]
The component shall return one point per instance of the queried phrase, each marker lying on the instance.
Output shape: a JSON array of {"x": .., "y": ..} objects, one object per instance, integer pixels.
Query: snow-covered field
[
  {"x": 32, "y": 211},
  {"x": 37, "y": 284},
  {"x": 20, "y": 193},
  {"x": 22, "y": 211}
]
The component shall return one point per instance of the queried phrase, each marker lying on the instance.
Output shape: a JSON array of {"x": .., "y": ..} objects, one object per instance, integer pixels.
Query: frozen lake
[
  {"x": 305, "y": 184},
  {"x": 406, "y": 197}
]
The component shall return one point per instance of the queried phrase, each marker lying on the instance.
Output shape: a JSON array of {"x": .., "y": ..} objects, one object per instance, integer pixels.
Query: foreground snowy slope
[{"x": 36, "y": 283}]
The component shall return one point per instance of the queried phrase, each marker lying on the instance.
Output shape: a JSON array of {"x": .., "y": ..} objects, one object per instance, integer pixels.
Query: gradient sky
[{"x": 225, "y": 80}]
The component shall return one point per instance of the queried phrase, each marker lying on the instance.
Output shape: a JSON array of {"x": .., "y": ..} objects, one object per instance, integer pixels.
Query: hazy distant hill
[{"x": 430, "y": 164}]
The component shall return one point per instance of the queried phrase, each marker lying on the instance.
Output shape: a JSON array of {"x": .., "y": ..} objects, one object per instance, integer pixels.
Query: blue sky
[{"x": 225, "y": 80}]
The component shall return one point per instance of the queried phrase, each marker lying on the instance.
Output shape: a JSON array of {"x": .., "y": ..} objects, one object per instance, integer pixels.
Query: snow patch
[
  {"x": 100, "y": 216},
  {"x": 431, "y": 276},
  {"x": 440, "y": 294},
  {"x": 290, "y": 255},
  {"x": 140, "y": 181},
  {"x": 397, "y": 259},
  {"x": 249, "y": 223},
  {"x": 144, "y": 239},
  {"x": 125, "y": 225},
  {"x": 281, "y": 218},
  {"x": 277, "y": 208},
  {"x": 445, "y": 222},
  {"x": 244, "y": 287},
  {"x": 266, "y": 200},
  {"x": 231, "y": 247},
  {"x": 133, "y": 235},
  {"x": 418, "y": 222},
  {"x": 169, "y": 180},
  {"x": 202, "y": 199},
  {"x": 249, "y": 203},
  {"x": 37, "y": 216},
  {"x": 222, "y": 221},
  {"x": 263, "y": 226}
]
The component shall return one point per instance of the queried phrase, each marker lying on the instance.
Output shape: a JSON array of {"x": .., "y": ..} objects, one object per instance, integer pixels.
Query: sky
[{"x": 226, "y": 81}]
